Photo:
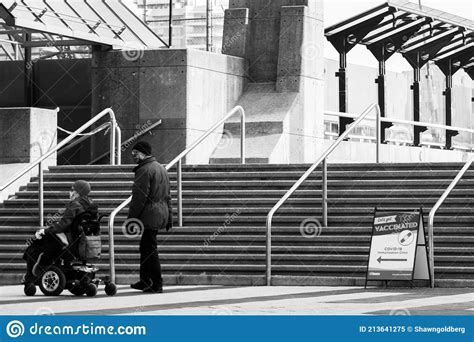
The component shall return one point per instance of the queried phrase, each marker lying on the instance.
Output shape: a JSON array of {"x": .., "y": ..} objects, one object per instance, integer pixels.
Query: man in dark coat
[
  {"x": 151, "y": 205},
  {"x": 50, "y": 242}
]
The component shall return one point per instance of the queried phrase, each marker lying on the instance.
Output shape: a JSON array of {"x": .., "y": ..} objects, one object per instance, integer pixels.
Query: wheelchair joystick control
[{"x": 39, "y": 234}]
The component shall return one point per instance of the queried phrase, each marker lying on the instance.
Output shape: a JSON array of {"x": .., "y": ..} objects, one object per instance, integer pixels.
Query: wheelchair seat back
[{"x": 85, "y": 233}]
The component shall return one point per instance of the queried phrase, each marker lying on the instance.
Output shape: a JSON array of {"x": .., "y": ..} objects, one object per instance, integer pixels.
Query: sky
[{"x": 338, "y": 10}]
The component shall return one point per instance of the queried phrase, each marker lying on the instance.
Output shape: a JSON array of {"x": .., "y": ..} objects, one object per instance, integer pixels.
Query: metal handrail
[
  {"x": 177, "y": 161},
  {"x": 129, "y": 141},
  {"x": 84, "y": 137},
  {"x": 446, "y": 193},
  {"x": 405, "y": 122},
  {"x": 433, "y": 213},
  {"x": 321, "y": 159},
  {"x": 115, "y": 138}
]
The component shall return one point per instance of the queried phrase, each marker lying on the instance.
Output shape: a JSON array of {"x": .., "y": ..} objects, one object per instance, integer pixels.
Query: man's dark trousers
[{"x": 150, "y": 268}]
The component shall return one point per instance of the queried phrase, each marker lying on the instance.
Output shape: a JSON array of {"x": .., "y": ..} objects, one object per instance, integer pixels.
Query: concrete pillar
[
  {"x": 236, "y": 32},
  {"x": 301, "y": 69},
  {"x": 267, "y": 31},
  {"x": 283, "y": 42}
]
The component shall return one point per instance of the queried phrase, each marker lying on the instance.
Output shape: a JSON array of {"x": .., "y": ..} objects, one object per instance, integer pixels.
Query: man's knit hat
[
  {"x": 82, "y": 187},
  {"x": 143, "y": 147}
]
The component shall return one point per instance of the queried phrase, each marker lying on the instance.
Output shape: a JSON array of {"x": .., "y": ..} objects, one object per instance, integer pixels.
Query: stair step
[
  {"x": 249, "y": 230},
  {"x": 273, "y": 194},
  {"x": 448, "y": 166},
  {"x": 258, "y": 183},
  {"x": 131, "y": 246},
  {"x": 332, "y": 174},
  {"x": 244, "y": 210},
  {"x": 198, "y": 258},
  {"x": 260, "y": 268},
  {"x": 256, "y": 202},
  {"x": 255, "y": 239},
  {"x": 287, "y": 220}
]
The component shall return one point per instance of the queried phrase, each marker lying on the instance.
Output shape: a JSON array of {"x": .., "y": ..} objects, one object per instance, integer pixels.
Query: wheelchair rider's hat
[{"x": 82, "y": 187}]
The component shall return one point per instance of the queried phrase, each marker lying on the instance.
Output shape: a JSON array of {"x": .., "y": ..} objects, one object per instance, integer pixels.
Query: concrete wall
[
  {"x": 7, "y": 171},
  {"x": 26, "y": 135},
  {"x": 58, "y": 83},
  {"x": 188, "y": 89}
]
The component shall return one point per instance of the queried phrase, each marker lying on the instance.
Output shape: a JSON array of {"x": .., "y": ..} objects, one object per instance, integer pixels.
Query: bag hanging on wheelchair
[
  {"x": 89, "y": 247},
  {"x": 89, "y": 244}
]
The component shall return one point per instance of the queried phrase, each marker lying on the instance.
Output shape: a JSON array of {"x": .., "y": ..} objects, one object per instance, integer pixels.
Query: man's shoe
[
  {"x": 153, "y": 289},
  {"x": 141, "y": 286}
]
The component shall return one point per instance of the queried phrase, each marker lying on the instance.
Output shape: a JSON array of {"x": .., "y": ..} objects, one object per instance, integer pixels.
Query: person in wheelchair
[{"x": 49, "y": 243}]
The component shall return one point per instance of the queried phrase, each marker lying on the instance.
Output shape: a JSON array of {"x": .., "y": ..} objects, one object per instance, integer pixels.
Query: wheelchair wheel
[
  {"x": 77, "y": 290},
  {"x": 52, "y": 281},
  {"x": 110, "y": 289},
  {"x": 91, "y": 289},
  {"x": 29, "y": 289}
]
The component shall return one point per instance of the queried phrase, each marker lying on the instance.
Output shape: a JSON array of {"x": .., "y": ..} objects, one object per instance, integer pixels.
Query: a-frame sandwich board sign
[{"x": 398, "y": 247}]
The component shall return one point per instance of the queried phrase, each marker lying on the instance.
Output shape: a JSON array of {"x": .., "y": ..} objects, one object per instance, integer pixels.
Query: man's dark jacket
[{"x": 151, "y": 198}]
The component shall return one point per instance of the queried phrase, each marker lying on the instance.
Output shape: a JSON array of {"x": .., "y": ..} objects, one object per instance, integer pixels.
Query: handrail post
[
  {"x": 378, "y": 135},
  {"x": 325, "y": 193},
  {"x": 431, "y": 250},
  {"x": 433, "y": 212},
  {"x": 268, "y": 256},
  {"x": 119, "y": 144},
  {"x": 178, "y": 162},
  {"x": 112, "y": 247},
  {"x": 40, "y": 195},
  {"x": 180, "y": 194},
  {"x": 321, "y": 159},
  {"x": 113, "y": 130},
  {"x": 242, "y": 137}
]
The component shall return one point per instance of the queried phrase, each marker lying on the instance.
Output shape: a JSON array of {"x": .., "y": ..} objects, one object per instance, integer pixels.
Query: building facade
[{"x": 189, "y": 21}]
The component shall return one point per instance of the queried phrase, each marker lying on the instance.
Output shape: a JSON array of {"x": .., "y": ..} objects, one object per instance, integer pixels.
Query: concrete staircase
[{"x": 225, "y": 207}]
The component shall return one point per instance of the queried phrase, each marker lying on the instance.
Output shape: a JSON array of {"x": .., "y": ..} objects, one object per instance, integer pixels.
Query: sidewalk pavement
[{"x": 220, "y": 300}]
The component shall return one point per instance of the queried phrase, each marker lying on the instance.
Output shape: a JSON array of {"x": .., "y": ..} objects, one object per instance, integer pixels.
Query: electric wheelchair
[{"x": 72, "y": 269}]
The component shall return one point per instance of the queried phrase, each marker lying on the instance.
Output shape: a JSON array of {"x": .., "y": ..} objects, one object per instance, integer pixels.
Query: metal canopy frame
[
  {"x": 62, "y": 24},
  {"x": 99, "y": 22},
  {"x": 420, "y": 34}
]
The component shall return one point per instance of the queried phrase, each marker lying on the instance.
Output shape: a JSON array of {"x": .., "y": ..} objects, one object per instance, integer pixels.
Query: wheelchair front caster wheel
[
  {"x": 77, "y": 290},
  {"x": 110, "y": 289},
  {"x": 91, "y": 290},
  {"x": 30, "y": 289}
]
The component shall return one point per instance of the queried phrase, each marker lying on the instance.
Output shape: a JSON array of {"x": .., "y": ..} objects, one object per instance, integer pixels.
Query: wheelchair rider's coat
[{"x": 73, "y": 209}]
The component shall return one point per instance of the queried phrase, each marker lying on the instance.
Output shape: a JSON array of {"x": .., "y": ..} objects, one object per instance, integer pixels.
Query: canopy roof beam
[{"x": 54, "y": 43}]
